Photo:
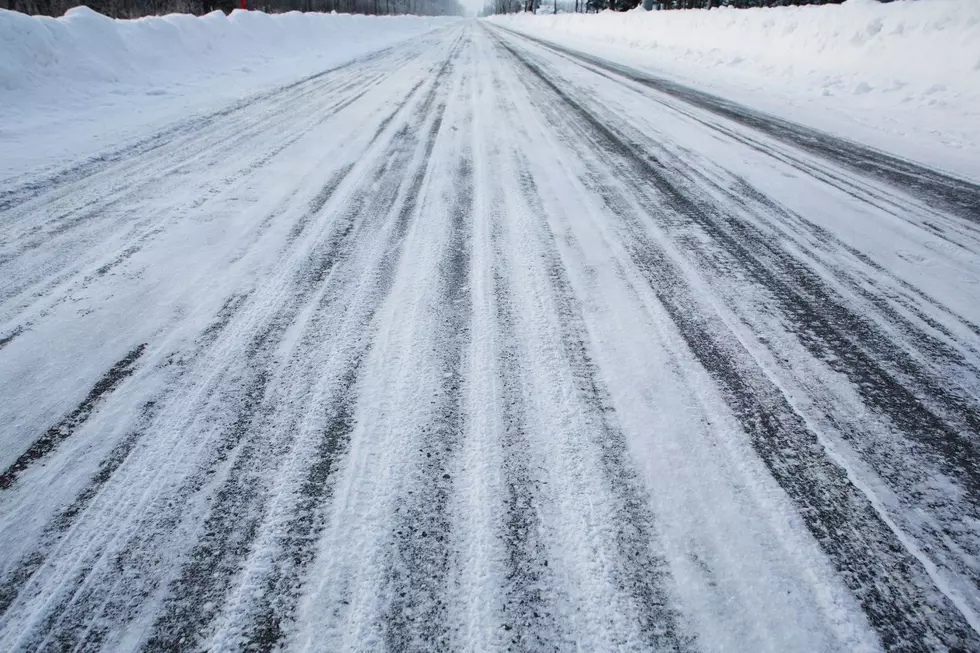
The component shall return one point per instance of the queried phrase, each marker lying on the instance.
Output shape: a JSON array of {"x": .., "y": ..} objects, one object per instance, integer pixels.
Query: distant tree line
[
  {"x": 140, "y": 8},
  {"x": 590, "y": 6}
]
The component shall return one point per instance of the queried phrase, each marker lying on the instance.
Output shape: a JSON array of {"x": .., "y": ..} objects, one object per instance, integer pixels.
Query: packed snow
[
  {"x": 68, "y": 84},
  {"x": 902, "y": 76},
  {"x": 468, "y": 343}
]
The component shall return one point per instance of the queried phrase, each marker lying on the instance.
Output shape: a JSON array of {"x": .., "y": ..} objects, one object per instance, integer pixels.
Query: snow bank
[
  {"x": 72, "y": 86},
  {"x": 927, "y": 48},
  {"x": 886, "y": 60},
  {"x": 84, "y": 51}
]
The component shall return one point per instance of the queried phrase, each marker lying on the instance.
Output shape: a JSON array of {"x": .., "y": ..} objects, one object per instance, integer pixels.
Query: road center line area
[{"x": 480, "y": 343}]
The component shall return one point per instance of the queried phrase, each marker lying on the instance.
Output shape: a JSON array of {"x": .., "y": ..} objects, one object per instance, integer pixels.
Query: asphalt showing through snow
[{"x": 479, "y": 343}]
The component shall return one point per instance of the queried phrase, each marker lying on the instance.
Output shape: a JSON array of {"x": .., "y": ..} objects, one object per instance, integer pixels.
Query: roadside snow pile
[
  {"x": 73, "y": 86},
  {"x": 859, "y": 47},
  {"x": 84, "y": 52},
  {"x": 882, "y": 63}
]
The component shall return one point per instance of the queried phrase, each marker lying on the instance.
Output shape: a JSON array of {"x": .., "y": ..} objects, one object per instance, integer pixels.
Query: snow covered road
[{"x": 480, "y": 344}]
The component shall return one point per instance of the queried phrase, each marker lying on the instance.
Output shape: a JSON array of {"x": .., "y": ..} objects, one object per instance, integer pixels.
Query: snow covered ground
[
  {"x": 69, "y": 86},
  {"x": 903, "y": 77},
  {"x": 481, "y": 344}
]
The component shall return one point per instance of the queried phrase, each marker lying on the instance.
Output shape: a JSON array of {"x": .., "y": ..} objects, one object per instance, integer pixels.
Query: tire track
[
  {"x": 889, "y": 380},
  {"x": 297, "y": 547},
  {"x": 750, "y": 198},
  {"x": 955, "y": 195},
  {"x": 888, "y": 198},
  {"x": 640, "y": 573},
  {"x": 60, "y": 525},
  {"x": 252, "y": 392},
  {"x": 64, "y": 429},
  {"x": 174, "y": 155},
  {"x": 937, "y": 399},
  {"x": 892, "y": 200},
  {"x": 234, "y": 448},
  {"x": 113, "y": 581},
  {"x": 111, "y": 211},
  {"x": 271, "y": 615},
  {"x": 927, "y": 403},
  {"x": 416, "y": 616},
  {"x": 106, "y": 215},
  {"x": 239, "y": 507},
  {"x": 873, "y": 562},
  {"x": 283, "y": 585},
  {"x": 13, "y": 333},
  {"x": 529, "y": 620},
  {"x": 14, "y": 197},
  {"x": 850, "y": 343}
]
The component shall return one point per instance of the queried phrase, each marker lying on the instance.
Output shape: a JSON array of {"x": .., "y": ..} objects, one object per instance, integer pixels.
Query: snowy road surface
[{"x": 477, "y": 344}]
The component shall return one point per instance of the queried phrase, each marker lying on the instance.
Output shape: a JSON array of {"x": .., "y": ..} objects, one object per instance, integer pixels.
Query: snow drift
[
  {"x": 84, "y": 51},
  {"x": 907, "y": 67},
  {"x": 860, "y": 46},
  {"x": 71, "y": 86}
]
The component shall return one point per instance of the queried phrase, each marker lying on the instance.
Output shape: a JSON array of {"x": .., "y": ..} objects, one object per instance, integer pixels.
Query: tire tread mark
[
  {"x": 16, "y": 196},
  {"x": 529, "y": 620},
  {"x": 239, "y": 504},
  {"x": 871, "y": 560},
  {"x": 284, "y": 584},
  {"x": 641, "y": 574},
  {"x": 47, "y": 443},
  {"x": 235, "y": 517},
  {"x": 957, "y": 195},
  {"x": 416, "y": 615}
]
